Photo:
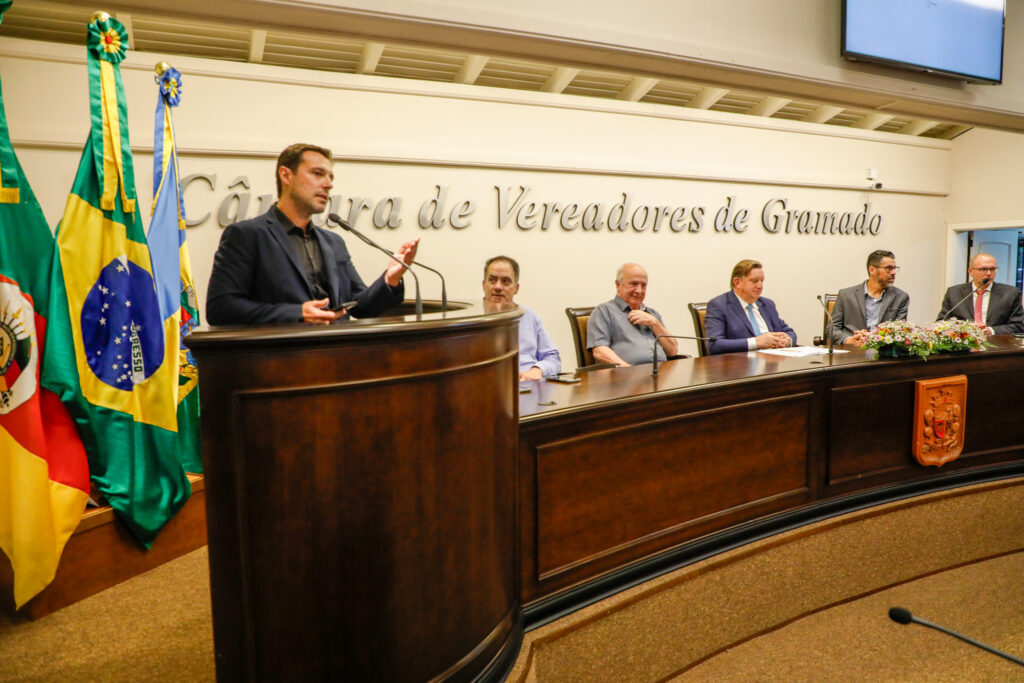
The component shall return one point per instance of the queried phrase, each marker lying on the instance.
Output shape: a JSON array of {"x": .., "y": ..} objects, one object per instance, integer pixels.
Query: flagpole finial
[
  {"x": 161, "y": 67},
  {"x": 99, "y": 16}
]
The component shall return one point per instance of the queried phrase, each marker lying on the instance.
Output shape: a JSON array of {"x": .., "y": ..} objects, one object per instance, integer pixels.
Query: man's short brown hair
[
  {"x": 876, "y": 257},
  {"x": 742, "y": 269},
  {"x": 291, "y": 157},
  {"x": 507, "y": 259}
]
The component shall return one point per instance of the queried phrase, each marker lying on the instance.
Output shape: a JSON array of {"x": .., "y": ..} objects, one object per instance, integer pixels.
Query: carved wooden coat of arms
[{"x": 939, "y": 419}]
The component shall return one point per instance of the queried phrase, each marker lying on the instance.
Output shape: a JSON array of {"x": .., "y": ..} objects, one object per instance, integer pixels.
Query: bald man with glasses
[
  {"x": 995, "y": 306},
  {"x": 860, "y": 308}
]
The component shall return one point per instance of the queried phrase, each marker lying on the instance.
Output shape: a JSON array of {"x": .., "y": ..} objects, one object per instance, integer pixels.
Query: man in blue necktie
[{"x": 742, "y": 319}]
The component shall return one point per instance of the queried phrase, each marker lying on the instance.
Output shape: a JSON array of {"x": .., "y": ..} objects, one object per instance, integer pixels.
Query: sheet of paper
[{"x": 801, "y": 351}]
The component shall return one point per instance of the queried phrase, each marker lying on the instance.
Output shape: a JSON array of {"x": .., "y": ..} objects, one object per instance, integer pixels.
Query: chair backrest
[
  {"x": 578, "y": 318},
  {"x": 698, "y": 311},
  {"x": 830, "y": 305}
]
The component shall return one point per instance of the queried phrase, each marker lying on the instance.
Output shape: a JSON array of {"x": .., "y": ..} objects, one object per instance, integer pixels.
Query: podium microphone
[
  {"x": 903, "y": 616},
  {"x": 831, "y": 325},
  {"x": 654, "y": 360},
  {"x": 984, "y": 281},
  {"x": 347, "y": 226}
]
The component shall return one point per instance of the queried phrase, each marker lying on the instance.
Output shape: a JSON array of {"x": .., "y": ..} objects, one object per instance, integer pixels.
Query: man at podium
[{"x": 280, "y": 268}]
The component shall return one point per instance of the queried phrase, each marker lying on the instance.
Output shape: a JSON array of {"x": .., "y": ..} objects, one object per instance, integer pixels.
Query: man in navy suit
[
  {"x": 280, "y": 268},
  {"x": 995, "y": 306},
  {"x": 742, "y": 319}
]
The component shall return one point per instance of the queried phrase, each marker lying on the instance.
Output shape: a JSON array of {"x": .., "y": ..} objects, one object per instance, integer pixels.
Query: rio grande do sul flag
[
  {"x": 44, "y": 478},
  {"x": 111, "y": 357}
]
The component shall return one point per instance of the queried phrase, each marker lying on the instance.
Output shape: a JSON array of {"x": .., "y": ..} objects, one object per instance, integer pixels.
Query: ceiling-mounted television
[{"x": 959, "y": 38}]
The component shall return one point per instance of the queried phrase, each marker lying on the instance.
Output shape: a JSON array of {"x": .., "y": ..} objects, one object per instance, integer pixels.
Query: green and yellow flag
[{"x": 111, "y": 357}]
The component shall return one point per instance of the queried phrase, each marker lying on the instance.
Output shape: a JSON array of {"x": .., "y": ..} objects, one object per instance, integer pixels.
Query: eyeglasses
[
  {"x": 888, "y": 269},
  {"x": 986, "y": 270}
]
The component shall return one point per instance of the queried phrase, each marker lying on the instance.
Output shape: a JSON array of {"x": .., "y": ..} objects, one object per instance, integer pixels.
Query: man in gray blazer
[
  {"x": 861, "y": 307},
  {"x": 999, "y": 308}
]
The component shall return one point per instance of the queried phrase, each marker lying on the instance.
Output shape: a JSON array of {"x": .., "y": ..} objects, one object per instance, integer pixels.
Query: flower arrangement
[
  {"x": 896, "y": 338},
  {"x": 959, "y": 335},
  {"x": 899, "y": 337}
]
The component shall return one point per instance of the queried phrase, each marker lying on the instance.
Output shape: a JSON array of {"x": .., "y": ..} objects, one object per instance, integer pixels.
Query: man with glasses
[
  {"x": 861, "y": 307},
  {"x": 995, "y": 306}
]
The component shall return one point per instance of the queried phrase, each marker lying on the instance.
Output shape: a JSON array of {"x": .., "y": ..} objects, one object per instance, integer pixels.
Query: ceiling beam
[
  {"x": 637, "y": 88},
  {"x": 257, "y": 41},
  {"x": 559, "y": 79},
  {"x": 917, "y": 126},
  {"x": 873, "y": 120},
  {"x": 706, "y": 98},
  {"x": 769, "y": 105},
  {"x": 822, "y": 114},
  {"x": 370, "y": 58},
  {"x": 471, "y": 68}
]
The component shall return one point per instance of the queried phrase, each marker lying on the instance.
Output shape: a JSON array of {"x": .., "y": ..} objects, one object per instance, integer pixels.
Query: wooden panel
[
  {"x": 994, "y": 404},
  {"x": 859, "y": 447},
  {"x": 611, "y": 489},
  {"x": 335, "y": 482}
]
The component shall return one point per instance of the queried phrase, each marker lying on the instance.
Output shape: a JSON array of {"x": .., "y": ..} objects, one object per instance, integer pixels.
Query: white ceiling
[{"x": 63, "y": 22}]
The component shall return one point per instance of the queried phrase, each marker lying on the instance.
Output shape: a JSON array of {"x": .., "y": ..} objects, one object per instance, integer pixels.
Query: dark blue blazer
[
  {"x": 258, "y": 278},
  {"x": 727, "y": 322}
]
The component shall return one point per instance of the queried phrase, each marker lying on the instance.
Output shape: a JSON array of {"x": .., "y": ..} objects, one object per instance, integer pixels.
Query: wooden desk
[{"x": 625, "y": 475}]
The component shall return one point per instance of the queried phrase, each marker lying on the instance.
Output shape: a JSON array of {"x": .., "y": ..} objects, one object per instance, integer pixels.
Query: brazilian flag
[{"x": 111, "y": 357}]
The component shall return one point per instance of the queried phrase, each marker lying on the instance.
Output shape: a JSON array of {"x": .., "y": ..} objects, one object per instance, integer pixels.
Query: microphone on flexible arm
[
  {"x": 984, "y": 281},
  {"x": 347, "y": 226},
  {"x": 831, "y": 325},
  {"x": 654, "y": 361},
  {"x": 902, "y": 615},
  {"x": 444, "y": 291}
]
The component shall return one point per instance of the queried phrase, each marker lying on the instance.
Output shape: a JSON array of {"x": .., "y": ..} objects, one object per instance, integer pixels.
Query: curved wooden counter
[
  {"x": 625, "y": 476},
  {"x": 361, "y": 497}
]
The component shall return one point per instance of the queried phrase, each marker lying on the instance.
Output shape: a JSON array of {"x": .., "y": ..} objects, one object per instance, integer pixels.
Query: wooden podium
[{"x": 362, "y": 496}]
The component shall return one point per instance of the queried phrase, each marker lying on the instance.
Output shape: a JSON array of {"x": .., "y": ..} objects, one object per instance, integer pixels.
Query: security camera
[{"x": 873, "y": 185}]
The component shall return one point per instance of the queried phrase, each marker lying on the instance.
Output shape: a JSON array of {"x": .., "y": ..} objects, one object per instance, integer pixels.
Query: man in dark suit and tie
[
  {"x": 994, "y": 305},
  {"x": 280, "y": 268},
  {"x": 742, "y": 319},
  {"x": 861, "y": 307}
]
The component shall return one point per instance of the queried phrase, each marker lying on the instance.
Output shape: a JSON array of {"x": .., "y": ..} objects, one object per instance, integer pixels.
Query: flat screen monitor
[{"x": 960, "y": 38}]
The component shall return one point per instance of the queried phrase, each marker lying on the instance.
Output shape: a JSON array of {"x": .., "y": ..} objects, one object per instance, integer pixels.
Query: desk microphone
[
  {"x": 347, "y": 226},
  {"x": 831, "y": 325},
  {"x": 903, "y": 616},
  {"x": 984, "y": 281},
  {"x": 335, "y": 218},
  {"x": 654, "y": 360}
]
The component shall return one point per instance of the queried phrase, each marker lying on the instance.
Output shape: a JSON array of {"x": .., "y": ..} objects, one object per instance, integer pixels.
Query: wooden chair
[
  {"x": 830, "y": 305},
  {"x": 697, "y": 311},
  {"x": 578, "y": 318}
]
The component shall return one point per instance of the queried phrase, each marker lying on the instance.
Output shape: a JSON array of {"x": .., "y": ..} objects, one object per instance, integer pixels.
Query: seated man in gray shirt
[
  {"x": 861, "y": 307},
  {"x": 622, "y": 331}
]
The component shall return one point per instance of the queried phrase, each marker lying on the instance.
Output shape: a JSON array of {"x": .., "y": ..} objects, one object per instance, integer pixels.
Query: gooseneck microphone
[
  {"x": 902, "y": 615},
  {"x": 831, "y": 325},
  {"x": 654, "y": 360},
  {"x": 984, "y": 281},
  {"x": 345, "y": 225}
]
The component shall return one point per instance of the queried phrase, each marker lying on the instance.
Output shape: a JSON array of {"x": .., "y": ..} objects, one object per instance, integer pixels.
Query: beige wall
[{"x": 401, "y": 138}]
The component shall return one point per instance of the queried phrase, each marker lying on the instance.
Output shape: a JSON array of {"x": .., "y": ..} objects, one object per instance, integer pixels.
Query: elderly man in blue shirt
[{"x": 538, "y": 356}]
